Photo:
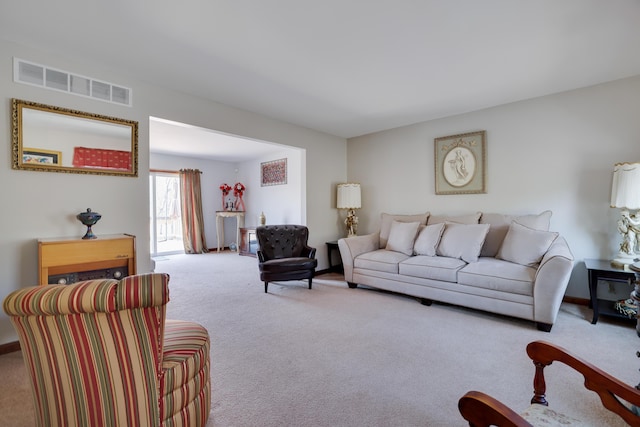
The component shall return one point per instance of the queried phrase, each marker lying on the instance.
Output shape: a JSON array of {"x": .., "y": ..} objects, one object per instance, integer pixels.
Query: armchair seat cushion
[
  {"x": 185, "y": 381},
  {"x": 540, "y": 415},
  {"x": 284, "y": 265}
]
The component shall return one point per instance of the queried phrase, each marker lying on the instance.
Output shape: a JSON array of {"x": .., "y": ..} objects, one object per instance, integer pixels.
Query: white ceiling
[
  {"x": 345, "y": 67},
  {"x": 179, "y": 139}
]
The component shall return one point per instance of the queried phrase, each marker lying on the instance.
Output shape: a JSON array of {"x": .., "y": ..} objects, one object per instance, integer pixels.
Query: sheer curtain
[{"x": 191, "y": 203}]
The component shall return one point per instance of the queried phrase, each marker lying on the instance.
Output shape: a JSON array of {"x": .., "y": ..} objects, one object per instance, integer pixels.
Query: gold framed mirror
[{"x": 55, "y": 139}]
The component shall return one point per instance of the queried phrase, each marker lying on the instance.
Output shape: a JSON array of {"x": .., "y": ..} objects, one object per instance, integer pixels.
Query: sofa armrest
[
  {"x": 351, "y": 247},
  {"x": 552, "y": 278}
]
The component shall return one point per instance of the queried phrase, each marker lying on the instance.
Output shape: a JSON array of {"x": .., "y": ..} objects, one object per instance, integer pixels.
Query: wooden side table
[
  {"x": 333, "y": 246},
  {"x": 599, "y": 269}
]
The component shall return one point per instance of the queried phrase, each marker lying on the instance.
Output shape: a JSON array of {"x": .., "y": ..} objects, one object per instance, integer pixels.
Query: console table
[
  {"x": 220, "y": 216},
  {"x": 74, "y": 258}
]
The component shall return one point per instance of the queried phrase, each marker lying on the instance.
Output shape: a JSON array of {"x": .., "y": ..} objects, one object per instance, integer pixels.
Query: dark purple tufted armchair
[{"x": 284, "y": 254}]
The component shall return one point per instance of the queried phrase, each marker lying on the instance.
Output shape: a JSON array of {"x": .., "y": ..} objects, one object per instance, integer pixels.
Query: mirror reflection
[{"x": 48, "y": 138}]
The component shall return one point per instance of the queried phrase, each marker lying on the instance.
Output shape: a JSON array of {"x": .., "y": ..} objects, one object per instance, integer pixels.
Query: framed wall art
[
  {"x": 273, "y": 172},
  {"x": 460, "y": 163},
  {"x": 38, "y": 156}
]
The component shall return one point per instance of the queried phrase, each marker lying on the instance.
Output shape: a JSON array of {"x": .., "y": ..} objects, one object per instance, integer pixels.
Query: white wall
[
  {"x": 556, "y": 152},
  {"x": 280, "y": 203},
  {"x": 44, "y": 204}
]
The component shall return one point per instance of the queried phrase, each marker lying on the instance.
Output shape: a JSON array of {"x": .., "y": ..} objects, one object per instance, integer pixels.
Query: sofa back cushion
[
  {"x": 387, "y": 220},
  {"x": 428, "y": 239},
  {"x": 525, "y": 246},
  {"x": 459, "y": 219},
  {"x": 402, "y": 236},
  {"x": 500, "y": 226},
  {"x": 462, "y": 241}
]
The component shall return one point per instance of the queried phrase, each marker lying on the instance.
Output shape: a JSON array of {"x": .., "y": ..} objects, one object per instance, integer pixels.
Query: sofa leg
[
  {"x": 310, "y": 283},
  {"x": 266, "y": 285},
  {"x": 352, "y": 285},
  {"x": 425, "y": 301},
  {"x": 544, "y": 327}
]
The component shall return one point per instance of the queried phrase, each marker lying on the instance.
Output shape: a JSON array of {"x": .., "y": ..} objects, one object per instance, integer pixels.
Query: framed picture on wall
[
  {"x": 38, "y": 156},
  {"x": 460, "y": 163},
  {"x": 273, "y": 172}
]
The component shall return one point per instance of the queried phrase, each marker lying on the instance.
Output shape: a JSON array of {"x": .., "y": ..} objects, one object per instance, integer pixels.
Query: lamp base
[
  {"x": 351, "y": 222},
  {"x": 623, "y": 261}
]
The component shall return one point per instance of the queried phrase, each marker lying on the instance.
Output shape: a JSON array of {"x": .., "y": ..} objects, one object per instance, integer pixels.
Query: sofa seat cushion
[
  {"x": 432, "y": 267},
  {"x": 380, "y": 260},
  {"x": 498, "y": 275}
]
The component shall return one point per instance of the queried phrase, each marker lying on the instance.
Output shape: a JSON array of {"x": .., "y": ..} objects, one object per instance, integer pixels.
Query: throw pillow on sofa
[
  {"x": 387, "y": 220},
  {"x": 463, "y": 241},
  {"x": 428, "y": 239},
  {"x": 500, "y": 226},
  {"x": 525, "y": 246},
  {"x": 401, "y": 237}
]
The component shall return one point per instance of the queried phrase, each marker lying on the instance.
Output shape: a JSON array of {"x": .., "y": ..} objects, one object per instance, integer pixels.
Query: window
[{"x": 166, "y": 221}]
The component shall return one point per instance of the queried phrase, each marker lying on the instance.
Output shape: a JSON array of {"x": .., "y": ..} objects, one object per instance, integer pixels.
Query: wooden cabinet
[
  {"x": 106, "y": 256},
  {"x": 248, "y": 242}
]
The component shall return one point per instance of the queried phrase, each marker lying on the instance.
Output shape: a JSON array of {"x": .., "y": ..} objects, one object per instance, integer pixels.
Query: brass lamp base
[
  {"x": 623, "y": 262},
  {"x": 352, "y": 223}
]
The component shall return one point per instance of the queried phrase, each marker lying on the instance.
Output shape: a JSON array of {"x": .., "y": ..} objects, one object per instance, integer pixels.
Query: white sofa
[{"x": 510, "y": 265}]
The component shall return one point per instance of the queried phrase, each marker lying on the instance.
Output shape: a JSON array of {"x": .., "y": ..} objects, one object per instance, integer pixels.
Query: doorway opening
[{"x": 165, "y": 217}]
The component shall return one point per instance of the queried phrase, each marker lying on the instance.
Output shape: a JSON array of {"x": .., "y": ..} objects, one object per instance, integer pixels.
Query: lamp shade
[
  {"x": 348, "y": 196},
  {"x": 625, "y": 191}
]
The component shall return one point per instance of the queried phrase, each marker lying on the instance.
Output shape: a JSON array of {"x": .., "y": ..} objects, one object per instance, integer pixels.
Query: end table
[
  {"x": 333, "y": 246},
  {"x": 597, "y": 270}
]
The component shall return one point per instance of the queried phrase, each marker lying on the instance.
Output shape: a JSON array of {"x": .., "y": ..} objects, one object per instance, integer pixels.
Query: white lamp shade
[
  {"x": 625, "y": 191},
  {"x": 348, "y": 196}
]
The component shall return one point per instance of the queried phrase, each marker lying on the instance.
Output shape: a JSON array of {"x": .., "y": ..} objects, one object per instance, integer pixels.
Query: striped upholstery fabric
[{"x": 99, "y": 353}]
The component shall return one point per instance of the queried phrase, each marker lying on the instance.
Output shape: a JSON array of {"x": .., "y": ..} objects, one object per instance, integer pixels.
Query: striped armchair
[{"x": 100, "y": 353}]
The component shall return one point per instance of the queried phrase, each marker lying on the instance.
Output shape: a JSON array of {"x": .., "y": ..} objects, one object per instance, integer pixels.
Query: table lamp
[
  {"x": 625, "y": 195},
  {"x": 349, "y": 198}
]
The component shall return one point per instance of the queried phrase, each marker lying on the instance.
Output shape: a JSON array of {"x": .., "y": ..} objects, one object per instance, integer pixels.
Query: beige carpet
[{"x": 334, "y": 356}]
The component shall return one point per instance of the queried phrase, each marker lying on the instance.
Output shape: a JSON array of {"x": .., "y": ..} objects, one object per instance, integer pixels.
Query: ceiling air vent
[{"x": 63, "y": 81}]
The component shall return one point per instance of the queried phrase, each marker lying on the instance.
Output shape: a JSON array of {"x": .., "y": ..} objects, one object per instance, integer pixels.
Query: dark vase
[{"x": 89, "y": 218}]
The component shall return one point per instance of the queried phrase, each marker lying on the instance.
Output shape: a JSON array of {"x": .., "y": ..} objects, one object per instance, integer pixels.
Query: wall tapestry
[{"x": 273, "y": 172}]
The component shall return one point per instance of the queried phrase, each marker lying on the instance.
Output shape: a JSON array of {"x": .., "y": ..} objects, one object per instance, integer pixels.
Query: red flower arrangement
[
  {"x": 225, "y": 189},
  {"x": 238, "y": 190}
]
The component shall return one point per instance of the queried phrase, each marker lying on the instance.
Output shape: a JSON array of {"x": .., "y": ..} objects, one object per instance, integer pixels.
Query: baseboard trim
[
  {"x": 9, "y": 347},
  {"x": 575, "y": 300}
]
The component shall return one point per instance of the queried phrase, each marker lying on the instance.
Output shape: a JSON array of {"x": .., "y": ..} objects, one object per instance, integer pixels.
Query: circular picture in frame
[{"x": 459, "y": 166}]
